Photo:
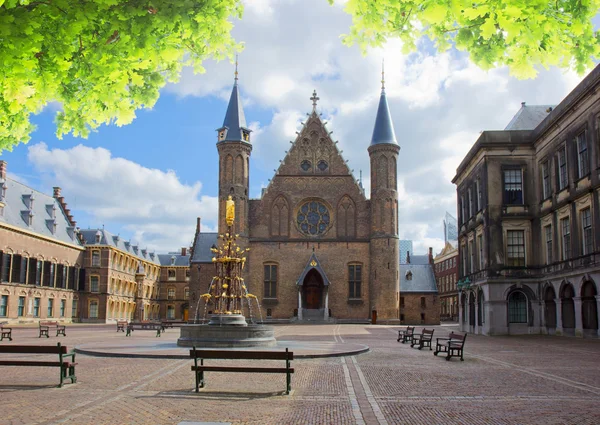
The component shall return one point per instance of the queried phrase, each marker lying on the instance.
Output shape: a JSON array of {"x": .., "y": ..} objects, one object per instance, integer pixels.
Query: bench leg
[{"x": 289, "y": 383}]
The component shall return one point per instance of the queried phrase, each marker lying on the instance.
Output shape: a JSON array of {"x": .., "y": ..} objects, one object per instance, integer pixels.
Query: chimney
[
  {"x": 184, "y": 251},
  {"x": 3, "y": 170},
  {"x": 407, "y": 257},
  {"x": 430, "y": 255},
  {"x": 198, "y": 225},
  {"x": 56, "y": 192},
  {"x": 523, "y": 104}
]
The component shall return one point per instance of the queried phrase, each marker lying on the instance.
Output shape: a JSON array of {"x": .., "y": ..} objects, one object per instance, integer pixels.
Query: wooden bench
[
  {"x": 45, "y": 327},
  {"x": 423, "y": 339},
  {"x": 5, "y": 332},
  {"x": 67, "y": 368},
  {"x": 121, "y": 324},
  {"x": 452, "y": 345},
  {"x": 143, "y": 326},
  {"x": 172, "y": 324},
  {"x": 202, "y": 355},
  {"x": 406, "y": 334}
]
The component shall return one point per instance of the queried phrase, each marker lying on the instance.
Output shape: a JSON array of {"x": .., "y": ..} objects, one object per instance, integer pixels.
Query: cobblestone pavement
[{"x": 503, "y": 380}]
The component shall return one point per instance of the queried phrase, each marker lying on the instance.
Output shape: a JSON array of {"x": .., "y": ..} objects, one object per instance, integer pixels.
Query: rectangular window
[
  {"x": 515, "y": 248},
  {"x": 546, "y": 189},
  {"x": 6, "y": 260},
  {"x": 65, "y": 273},
  {"x": 470, "y": 201},
  {"x": 171, "y": 293},
  {"x": 21, "y": 307},
  {"x": 74, "y": 309},
  {"x": 588, "y": 236},
  {"x": 582, "y": 155},
  {"x": 50, "y": 307},
  {"x": 401, "y": 302},
  {"x": 95, "y": 258},
  {"x": 38, "y": 272},
  {"x": 472, "y": 256},
  {"x": 186, "y": 294},
  {"x": 94, "y": 283},
  {"x": 565, "y": 225},
  {"x": 63, "y": 306},
  {"x": 170, "y": 312},
  {"x": 93, "y": 309},
  {"x": 563, "y": 177},
  {"x": 478, "y": 194},
  {"x": 187, "y": 274},
  {"x": 422, "y": 302},
  {"x": 171, "y": 274},
  {"x": 463, "y": 210},
  {"x": 270, "y": 281},
  {"x": 4, "y": 306},
  {"x": 354, "y": 280},
  {"x": 36, "y": 307},
  {"x": 480, "y": 246},
  {"x": 548, "y": 236},
  {"x": 513, "y": 187}
]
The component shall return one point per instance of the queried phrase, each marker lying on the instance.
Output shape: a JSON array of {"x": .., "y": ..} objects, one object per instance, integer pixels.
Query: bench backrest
[
  {"x": 427, "y": 332},
  {"x": 121, "y": 322},
  {"x": 34, "y": 349},
  {"x": 457, "y": 337},
  {"x": 48, "y": 323},
  {"x": 410, "y": 329},
  {"x": 242, "y": 355}
]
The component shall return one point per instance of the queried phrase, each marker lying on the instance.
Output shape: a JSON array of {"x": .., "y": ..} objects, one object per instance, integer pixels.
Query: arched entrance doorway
[
  {"x": 589, "y": 310},
  {"x": 568, "y": 308},
  {"x": 550, "y": 309},
  {"x": 472, "y": 310},
  {"x": 312, "y": 290},
  {"x": 480, "y": 308}
]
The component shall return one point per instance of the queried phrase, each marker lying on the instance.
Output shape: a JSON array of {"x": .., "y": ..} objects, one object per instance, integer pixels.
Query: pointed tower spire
[
  {"x": 234, "y": 126},
  {"x": 383, "y": 132}
]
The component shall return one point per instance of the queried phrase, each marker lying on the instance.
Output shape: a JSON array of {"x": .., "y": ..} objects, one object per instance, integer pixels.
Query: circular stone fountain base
[{"x": 226, "y": 336}]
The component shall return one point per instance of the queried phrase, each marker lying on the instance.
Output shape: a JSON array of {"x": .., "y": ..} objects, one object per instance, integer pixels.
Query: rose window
[{"x": 313, "y": 218}]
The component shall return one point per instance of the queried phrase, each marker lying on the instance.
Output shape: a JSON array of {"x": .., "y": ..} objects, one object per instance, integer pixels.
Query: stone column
[
  {"x": 559, "y": 329},
  {"x": 476, "y": 329},
  {"x": 300, "y": 303},
  {"x": 578, "y": 318},
  {"x": 326, "y": 312},
  {"x": 460, "y": 314},
  {"x": 543, "y": 328}
]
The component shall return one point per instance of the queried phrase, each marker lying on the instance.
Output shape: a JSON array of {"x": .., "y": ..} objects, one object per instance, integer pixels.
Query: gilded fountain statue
[{"x": 228, "y": 297}]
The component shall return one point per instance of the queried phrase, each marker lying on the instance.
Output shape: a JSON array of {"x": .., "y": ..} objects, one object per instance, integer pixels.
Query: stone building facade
[
  {"x": 320, "y": 249},
  {"x": 529, "y": 217},
  {"x": 446, "y": 276},
  {"x": 419, "y": 299}
]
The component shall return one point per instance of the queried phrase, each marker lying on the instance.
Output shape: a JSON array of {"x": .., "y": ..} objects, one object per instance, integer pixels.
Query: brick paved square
[{"x": 503, "y": 380}]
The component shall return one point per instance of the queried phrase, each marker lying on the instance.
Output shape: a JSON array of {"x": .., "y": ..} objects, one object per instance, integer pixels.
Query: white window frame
[
  {"x": 566, "y": 253},
  {"x": 584, "y": 236},
  {"x": 548, "y": 243}
]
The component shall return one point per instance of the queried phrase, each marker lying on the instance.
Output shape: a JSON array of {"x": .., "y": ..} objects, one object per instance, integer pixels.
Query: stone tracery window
[
  {"x": 313, "y": 218},
  {"x": 306, "y": 165}
]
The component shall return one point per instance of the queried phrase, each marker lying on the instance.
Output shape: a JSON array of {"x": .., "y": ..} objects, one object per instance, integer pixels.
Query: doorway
[{"x": 313, "y": 290}]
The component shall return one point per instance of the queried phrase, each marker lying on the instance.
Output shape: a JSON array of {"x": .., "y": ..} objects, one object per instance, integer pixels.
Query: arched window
[{"x": 517, "y": 307}]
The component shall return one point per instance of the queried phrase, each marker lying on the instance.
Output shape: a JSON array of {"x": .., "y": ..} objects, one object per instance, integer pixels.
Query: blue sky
[{"x": 148, "y": 181}]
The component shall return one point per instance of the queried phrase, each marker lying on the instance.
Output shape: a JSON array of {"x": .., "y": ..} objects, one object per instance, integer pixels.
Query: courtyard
[{"x": 503, "y": 380}]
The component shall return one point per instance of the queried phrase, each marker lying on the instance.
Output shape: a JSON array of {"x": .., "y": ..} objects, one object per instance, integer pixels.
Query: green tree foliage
[
  {"x": 101, "y": 60},
  {"x": 518, "y": 33}
]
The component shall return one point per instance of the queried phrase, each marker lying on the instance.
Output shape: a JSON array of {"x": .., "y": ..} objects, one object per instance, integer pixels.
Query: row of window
[
  {"x": 423, "y": 302},
  {"x": 15, "y": 268},
  {"x": 447, "y": 283},
  {"x": 355, "y": 278},
  {"x": 445, "y": 265},
  {"x": 36, "y": 307},
  {"x": 565, "y": 249},
  {"x": 473, "y": 202},
  {"x": 562, "y": 164},
  {"x": 120, "y": 262},
  {"x": 171, "y": 293},
  {"x": 472, "y": 253}
]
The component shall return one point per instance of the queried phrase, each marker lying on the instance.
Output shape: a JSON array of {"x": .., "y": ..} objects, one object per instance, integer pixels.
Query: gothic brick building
[{"x": 319, "y": 247}]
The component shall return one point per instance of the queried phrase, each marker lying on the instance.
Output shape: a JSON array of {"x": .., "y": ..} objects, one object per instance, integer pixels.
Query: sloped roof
[
  {"x": 44, "y": 207},
  {"x": 107, "y": 238},
  {"x": 383, "y": 131},
  {"x": 423, "y": 279},
  {"x": 234, "y": 117},
  {"x": 174, "y": 260},
  {"x": 204, "y": 242},
  {"x": 529, "y": 117},
  {"x": 419, "y": 259}
]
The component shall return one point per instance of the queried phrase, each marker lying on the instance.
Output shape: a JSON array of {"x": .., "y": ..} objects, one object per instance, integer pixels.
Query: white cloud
[{"x": 158, "y": 210}]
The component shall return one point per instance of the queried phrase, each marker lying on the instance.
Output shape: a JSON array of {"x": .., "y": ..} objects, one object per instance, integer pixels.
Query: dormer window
[
  {"x": 245, "y": 136},
  {"x": 173, "y": 260},
  {"x": 3, "y": 191},
  {"x": 98, "y": 236},
  {"x": 408, "y": 275},
  {"x": 222, "y": 134}
]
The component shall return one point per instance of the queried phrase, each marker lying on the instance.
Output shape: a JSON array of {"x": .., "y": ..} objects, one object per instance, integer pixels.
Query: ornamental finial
[
  {"x": 314, "y": 99},
  {"x": 236, "y": 69},
  {"x": 382, "y": 75}
]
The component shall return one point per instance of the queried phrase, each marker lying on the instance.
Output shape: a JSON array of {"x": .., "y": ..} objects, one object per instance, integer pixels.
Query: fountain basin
[{"x": 226, "y": 336}]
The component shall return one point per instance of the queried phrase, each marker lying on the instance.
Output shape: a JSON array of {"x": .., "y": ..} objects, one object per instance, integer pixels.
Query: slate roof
[
  {"x": 423, "y": 279},
  {"x": 234, "y": 117},
  {"x": 419, "y": 259},
  {"x": 383, "y": 132},
  {"x": 174, "y": 259},
  {"x": 107, "y": 238},
  {"x": 46, "y": 211},
  {"x": 529, "y": 117},
  {"x": 204, "y": 242}
]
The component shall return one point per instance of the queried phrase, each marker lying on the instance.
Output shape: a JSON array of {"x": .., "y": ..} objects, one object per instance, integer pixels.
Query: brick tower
[
  {"x": 385, "y": 261},
  {"x": 234, "y": 149}
]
